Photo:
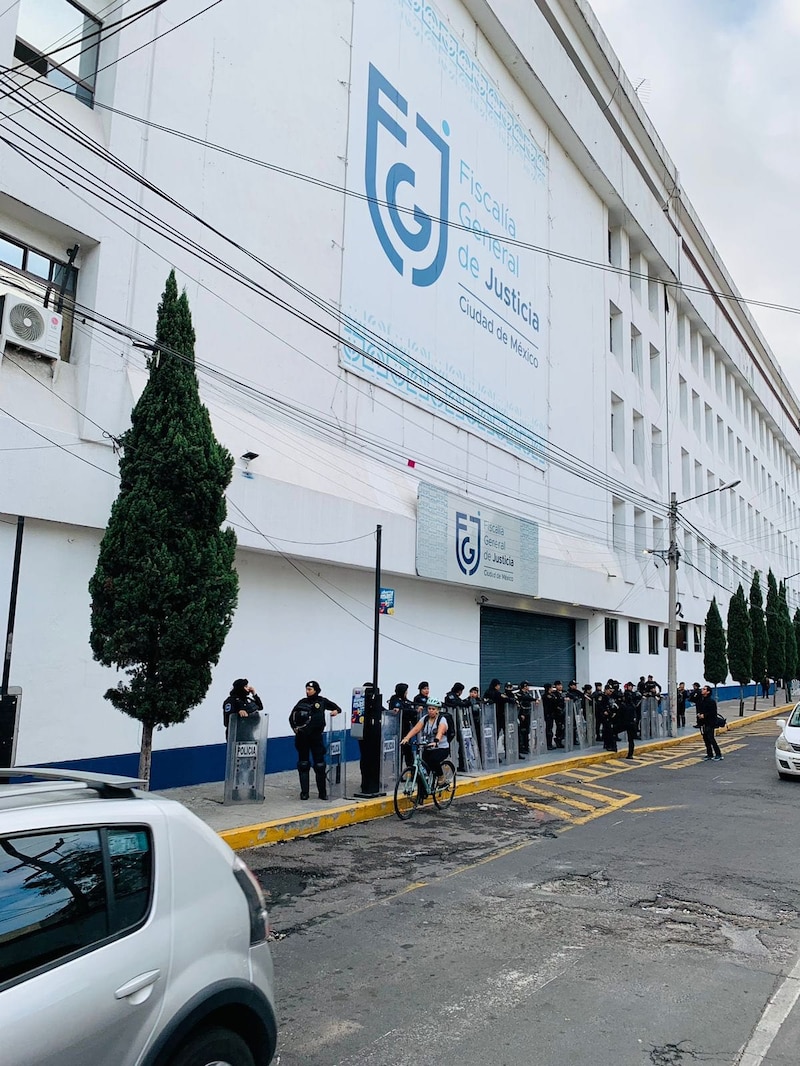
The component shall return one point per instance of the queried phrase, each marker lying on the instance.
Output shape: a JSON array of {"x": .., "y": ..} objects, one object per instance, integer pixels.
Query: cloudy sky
[{"x": 723, "y": 90}]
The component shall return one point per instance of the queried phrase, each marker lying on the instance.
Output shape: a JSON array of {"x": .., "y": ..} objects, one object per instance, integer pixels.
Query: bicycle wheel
[
  {"x": 443, "y": 794},
  {"x": 406, "y": 794}
]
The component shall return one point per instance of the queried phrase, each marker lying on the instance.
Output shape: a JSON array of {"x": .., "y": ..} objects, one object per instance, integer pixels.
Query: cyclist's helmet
[{"x": 434, "y": 703}]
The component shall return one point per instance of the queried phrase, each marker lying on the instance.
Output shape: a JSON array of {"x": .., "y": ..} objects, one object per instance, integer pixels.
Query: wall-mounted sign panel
[
  {"x": 471, "y": 545},
  {"x": 444, "y": 305}
]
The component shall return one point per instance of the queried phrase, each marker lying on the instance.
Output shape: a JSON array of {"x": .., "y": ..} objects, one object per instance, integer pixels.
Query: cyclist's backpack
[{"x": 451, "y": 726}]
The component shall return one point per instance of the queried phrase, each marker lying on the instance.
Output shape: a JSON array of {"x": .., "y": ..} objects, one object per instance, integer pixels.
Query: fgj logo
[
  {"x": 468, "y": 542},
  {"x": 415, "y": 230}
]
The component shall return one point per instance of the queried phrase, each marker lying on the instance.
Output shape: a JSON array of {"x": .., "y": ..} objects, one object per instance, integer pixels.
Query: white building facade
[{"x": 444, "y": 280}]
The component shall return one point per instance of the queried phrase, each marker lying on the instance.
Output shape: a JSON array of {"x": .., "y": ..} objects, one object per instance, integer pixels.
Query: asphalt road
[{"x": 634, "y": 913}]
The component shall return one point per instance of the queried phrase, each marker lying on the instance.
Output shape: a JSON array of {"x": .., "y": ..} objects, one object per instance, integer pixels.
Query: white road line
[{"x": 775, "y": 1014}]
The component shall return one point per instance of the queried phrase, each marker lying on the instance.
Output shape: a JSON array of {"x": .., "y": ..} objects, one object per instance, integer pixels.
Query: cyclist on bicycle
[{"x": 435, "y": 745}]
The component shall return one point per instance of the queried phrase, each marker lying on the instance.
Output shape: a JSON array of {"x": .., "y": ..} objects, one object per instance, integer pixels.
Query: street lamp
[{"x": 673, "y": 557}]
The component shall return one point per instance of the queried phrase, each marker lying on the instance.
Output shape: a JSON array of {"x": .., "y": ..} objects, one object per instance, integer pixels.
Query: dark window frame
[
  {"x": 45, "y": 65},
  {"x": 698, "y": 638},
  {"x": 634, "y": 645},
  {"x": 612, "y": 634},
  {"x": 113, "y": 929},
  {"x": 652, "y": 640}
]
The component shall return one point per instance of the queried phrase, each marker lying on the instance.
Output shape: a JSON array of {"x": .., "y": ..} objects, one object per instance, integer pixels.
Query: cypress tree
[
  {"x": 740, "y": 643},
  {"x": 776, "y": 638},
  {"x": 790, "y": 643},
  {"x": 715, "y": 662},
  {"x": 797, "y": 641},
  {"x": 164, "y": 590},
  {"x": 759, "y": 631}
]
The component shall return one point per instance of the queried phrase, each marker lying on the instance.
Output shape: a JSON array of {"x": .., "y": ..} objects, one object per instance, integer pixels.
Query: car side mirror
[{"x": 781, "y": 724}]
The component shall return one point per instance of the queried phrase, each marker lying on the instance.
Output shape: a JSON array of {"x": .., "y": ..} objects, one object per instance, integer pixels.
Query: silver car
[{"x": 130, "y": 934}]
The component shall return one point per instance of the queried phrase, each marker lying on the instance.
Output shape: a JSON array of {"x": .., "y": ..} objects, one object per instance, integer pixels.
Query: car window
[
  {"x": 131, "y": 875},
  {"x": 56, "y": 897},
  {"x": 795, "y": 719},
  {"x": 52, "y": 898}
]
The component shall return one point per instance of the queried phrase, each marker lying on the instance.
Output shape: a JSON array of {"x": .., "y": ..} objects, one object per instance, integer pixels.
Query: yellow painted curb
[{"x": 304, "y": 825}]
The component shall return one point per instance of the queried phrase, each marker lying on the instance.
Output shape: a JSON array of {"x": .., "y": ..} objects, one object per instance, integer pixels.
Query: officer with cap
[{"x": 308, "y": 725}]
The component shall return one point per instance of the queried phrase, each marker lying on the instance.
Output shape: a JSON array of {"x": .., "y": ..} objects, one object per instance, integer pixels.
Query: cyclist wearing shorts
[{"x": 435, "y": 745}]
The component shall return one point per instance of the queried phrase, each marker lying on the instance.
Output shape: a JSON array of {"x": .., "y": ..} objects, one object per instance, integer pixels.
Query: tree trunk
[
  {"x": 741, "y": 700},
  {"x": 145, "y": 753}
]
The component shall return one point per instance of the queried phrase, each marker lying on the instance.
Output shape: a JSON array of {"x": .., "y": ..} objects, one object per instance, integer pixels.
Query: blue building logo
[
  {"x": 412, "y": 231},
  {"x": 468, "y": 542}
]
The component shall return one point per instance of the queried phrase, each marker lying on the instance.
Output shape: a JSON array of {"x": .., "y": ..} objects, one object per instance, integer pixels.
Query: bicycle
[{"x": 417, "y": 782}]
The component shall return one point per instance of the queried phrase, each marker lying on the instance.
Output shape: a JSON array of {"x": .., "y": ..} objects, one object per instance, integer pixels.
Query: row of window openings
[
  {"x": 734, "y": 393},
  {"x": 637, "y": 439},
  {"x": 639, "y": 271},
  {"x": 653, "y": 632}
]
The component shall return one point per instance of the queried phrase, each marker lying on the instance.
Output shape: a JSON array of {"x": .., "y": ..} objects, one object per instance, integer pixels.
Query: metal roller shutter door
[{"x": 518, "y": 646}]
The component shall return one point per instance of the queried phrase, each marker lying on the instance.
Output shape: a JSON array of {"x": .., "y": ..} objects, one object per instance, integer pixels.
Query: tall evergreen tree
[
  {"x": 776, "y": 638},
  {"x": 759, "y": 630},
  {"x": 715, "y": 661},
  {"x": 790, "y": 643},
  {"x": 797, "y": 641},
  {"x": 740, "y": 643},
  {"x": 165, "y": 588}
]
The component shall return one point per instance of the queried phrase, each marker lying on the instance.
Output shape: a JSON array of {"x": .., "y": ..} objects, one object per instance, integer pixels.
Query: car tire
[{"x": 214, "y": 1047}]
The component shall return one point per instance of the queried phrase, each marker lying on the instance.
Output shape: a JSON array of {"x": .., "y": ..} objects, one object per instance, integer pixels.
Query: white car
[
  {"x": 787, "y": 746},
  {"x": 130, "y": 934}
]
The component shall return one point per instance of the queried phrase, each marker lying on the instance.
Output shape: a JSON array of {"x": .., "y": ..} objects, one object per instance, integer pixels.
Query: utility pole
[{"x": 673, "y": 557}]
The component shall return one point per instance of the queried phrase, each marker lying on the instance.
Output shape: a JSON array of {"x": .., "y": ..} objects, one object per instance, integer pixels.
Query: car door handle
[{"x": 136, "y": 984}]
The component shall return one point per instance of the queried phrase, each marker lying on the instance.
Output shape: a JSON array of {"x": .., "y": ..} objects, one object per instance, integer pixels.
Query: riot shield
[
  {"x": 468, "y": 746},
  {"x": 511, "y": 734},
  {"x": 336, "y": 759},
  {"x": 580, "y": 734},
  {"x": 489, "y": 734},
  {"x": 390, "y": 750},
  {"x": 246, "y": 758},
  {"x": 538, "y": 734}
]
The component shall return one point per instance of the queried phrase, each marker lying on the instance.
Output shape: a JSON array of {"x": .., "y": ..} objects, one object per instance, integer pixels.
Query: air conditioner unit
[{"x": 30, "y": 325}]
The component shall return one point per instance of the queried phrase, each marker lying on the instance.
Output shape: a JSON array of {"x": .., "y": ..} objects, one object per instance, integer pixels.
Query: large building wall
[{"x": 532, "y": 102}]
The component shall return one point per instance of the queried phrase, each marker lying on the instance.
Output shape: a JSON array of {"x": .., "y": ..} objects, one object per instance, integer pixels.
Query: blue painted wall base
[{"x": 191, "y": 766}]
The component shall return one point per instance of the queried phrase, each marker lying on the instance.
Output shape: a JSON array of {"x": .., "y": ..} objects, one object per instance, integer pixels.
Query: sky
[{"x": 722, "y": 88}]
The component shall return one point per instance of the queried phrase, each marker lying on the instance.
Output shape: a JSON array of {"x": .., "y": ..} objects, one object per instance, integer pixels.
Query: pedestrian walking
[
  {"x": 707, "y": 717},
  {"x": 307, "y": 721}
]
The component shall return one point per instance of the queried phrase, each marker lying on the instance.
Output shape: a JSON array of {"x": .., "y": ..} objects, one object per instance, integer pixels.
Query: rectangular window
[
  {"x": 696, "y": 413},
  {"x": 617, "y": 427},
  {"x": 698, "y": 638},
  {"x": 655, "y": 370},
  {"x": 694, "y": 345},
  {"x": 656, "y": 454},
  {"x": 615, "y": 330},
  {"x": 618, "y": 531},
  {"x": 652, "y": 640},
  {"x": 636, "y": 354},
  {"x": 683, "y": 400},
  {"x": 637, "y": 441},
  {"x": 60, "y": 41},
  {"x": 611, "y": 635},
  {"x": 708, "y": 416},
  {"x": 652, "y": 293},
  {"x": 615, "y": 246},
  {"x": 686, "y": 473},
  {"x": 633, "y": 638},
  {"x": 637, "y": 267},
  {"x": 639, "y": 531}
]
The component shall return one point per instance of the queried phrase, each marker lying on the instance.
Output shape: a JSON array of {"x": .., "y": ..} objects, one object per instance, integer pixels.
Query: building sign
[
  {"x": 460, "y": 541},
  {"x": 446, "y": 169},
  {"x": 387, "y": 601}
]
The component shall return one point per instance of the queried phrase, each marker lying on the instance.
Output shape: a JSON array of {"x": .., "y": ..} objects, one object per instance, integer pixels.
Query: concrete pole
[{"x": 673, "y": 555}]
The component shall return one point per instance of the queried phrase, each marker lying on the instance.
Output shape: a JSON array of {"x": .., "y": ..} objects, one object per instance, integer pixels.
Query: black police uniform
[
  {"x": 525, "y": 703},
  {"x": 308, "y": 724}
]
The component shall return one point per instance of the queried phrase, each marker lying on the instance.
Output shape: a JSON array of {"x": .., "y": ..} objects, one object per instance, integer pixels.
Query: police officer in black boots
[
  {"x": 525, "y": 704},
  {"x": 308, "y": 725}
]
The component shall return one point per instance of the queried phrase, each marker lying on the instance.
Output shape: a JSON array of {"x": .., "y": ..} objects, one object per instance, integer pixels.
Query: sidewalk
[{"x": 284, "y": 816}]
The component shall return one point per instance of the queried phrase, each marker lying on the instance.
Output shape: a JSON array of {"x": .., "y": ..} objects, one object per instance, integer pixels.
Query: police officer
[
  {"x": 454, "y": 701},
  {"x": 243, "y": 701},
  {"x": 308, "y": 725},
  {"x": 400, "y": 704},
  {"x": 525, "y": 703}
]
